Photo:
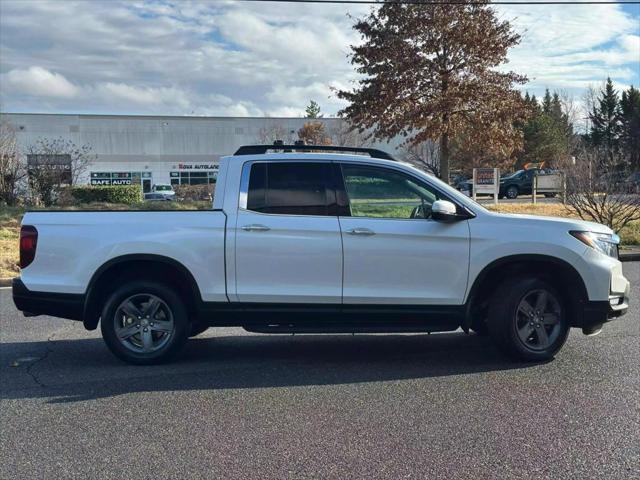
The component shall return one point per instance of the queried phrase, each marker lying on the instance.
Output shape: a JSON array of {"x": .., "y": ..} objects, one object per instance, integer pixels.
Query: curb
[
  {"x": 630, "y": 257},
  {"x": 5, "y": 282},
  {"x": 629, "y": 253}
]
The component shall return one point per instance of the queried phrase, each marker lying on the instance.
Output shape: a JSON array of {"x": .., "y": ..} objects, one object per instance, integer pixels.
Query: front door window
[{"x": 384, "y": 193}]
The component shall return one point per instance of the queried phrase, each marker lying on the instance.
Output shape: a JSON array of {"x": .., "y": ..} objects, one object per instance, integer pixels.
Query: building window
[{"x": 193, "y": 178}]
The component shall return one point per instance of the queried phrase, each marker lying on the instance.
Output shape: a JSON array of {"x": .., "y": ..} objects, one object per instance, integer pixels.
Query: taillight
[{"x": 28, "y": 244}]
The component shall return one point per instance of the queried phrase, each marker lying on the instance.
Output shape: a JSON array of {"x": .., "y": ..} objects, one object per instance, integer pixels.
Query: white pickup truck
[{"x": 321, "y": 243}]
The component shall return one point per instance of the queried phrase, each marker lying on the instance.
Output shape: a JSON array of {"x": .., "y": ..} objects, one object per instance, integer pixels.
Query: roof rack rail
[{"x": 261, "y": 149}]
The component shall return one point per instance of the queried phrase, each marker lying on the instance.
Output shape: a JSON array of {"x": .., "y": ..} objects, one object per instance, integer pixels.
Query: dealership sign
[
  {"x": 196, "y": 166},
  {"x": 100, "y": 181},
  {"x": 49, "y": 161},
  {"x": 117, "y": 178},
  {"x": 486, "y": 180}
]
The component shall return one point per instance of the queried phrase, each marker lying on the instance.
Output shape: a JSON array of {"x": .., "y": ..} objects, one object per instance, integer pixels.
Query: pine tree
[
  {"x": 312, "y": 110},
  {"x": 547, "y": 133},
  {"x": 606, "y": 125},
  {"x": 630, "y": 128},
  {"x": 547, "y": 102}
]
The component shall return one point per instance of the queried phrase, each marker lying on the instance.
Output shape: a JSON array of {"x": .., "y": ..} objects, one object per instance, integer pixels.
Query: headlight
[{"x": 603, "y": 242}]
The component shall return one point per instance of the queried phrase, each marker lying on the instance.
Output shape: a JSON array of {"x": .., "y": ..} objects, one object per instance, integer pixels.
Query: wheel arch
[
  {"x": 150, "y": 266},
  {"x": 560, "y": 273}
]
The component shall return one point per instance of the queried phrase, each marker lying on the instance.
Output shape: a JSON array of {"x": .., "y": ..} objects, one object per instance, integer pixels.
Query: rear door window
[{"x": 290, "y": 188}]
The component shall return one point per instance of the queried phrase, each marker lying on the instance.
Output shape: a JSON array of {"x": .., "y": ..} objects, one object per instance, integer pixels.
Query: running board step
[{"x": 284, "y": 328}]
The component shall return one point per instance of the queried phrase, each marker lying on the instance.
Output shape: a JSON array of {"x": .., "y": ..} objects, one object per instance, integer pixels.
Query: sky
[{"x": 226, "y": 58}]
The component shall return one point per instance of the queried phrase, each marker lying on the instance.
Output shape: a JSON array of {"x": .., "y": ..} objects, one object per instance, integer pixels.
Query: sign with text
[
  {"x": 49, "y": 161},
  {"x": 100, "y": 181},
  {"x": 486, "y": 180},
  {"x": 550, "y": 183},
  {"x": 196, "y": 166},
  {"x": 118, "y": 178}
]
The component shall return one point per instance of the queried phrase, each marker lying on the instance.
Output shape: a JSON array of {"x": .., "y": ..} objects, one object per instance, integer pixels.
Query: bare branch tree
[
  {"x": 269, "y": 134},
  {"x": 12, "y": 168},
  {"x": 425, "y": 156},
  {"x": 343, "y": 134},
  {"x": 570, "y": 107},
  {"x": 596, "y": 191},
  {"x": 53, "y": 163}
]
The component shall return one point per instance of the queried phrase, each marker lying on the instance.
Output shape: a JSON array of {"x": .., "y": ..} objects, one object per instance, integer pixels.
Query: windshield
[
  {"x": 163, "y": 188},
  {"x": 515, "y": 174}
]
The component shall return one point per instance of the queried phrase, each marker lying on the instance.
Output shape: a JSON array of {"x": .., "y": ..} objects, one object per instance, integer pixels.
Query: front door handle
[
  {"x": 361, "y": 231},
  {"x": 255, "y": 227}
]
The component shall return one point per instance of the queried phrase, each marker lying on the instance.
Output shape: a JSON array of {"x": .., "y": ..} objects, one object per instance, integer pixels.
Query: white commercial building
[{"x": 158, "y": 149}]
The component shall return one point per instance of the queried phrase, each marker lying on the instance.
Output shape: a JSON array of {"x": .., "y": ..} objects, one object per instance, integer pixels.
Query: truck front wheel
[
  {"x": 144, "y": 323},
  {"x": 528, "y": 319}
]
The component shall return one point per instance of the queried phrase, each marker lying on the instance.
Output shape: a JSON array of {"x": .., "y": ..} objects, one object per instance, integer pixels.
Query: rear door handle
[
  {"x": 361, "y": 231},
  {"x": 255, "y": 227}
]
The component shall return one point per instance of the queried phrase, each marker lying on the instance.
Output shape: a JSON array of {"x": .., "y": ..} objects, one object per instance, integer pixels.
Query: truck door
[
  {"x": 287, "y": 240},
  {"x": 394, "y": 253}
]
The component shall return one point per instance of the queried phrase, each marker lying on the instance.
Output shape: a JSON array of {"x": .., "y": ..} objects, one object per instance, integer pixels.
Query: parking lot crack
[{"x": 32, "y": 365}]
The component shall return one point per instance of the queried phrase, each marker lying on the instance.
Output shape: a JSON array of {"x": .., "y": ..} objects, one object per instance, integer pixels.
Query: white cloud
[
  {"x": 571, "y": 46},
  {"x": 40, "y": 82},
  {"x": 228, "y": 58},
  {"x": 142, "y": 95}
]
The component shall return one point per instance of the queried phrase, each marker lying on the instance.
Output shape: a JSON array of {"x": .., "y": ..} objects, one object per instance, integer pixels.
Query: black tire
[
  {"x": 173, "y": 306},
  {"x": 479, "y": 327},
  {"x": 507, "y": 321},
  {"x": 512, "y": 192},
  {"x": 549, "y": 195},
  {"x": 198, "y": 328}
]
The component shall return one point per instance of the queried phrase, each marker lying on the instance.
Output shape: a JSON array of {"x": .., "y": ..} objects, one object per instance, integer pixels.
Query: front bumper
[
  {"x": 594, "y": 314},
  {"x": 63, "y": 305}
]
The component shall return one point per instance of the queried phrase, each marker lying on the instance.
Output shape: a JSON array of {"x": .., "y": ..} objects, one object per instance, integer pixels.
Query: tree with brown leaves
[
  {"x": 313, "y": 133},
  {"x": 430, "y": 74}
]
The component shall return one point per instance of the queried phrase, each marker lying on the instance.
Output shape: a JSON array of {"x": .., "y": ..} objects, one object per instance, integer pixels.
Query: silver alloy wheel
[
  {"x": 143, "y": 323},
  {"x": 512, "y": 192},
  {"x": 538, "y": 318}
]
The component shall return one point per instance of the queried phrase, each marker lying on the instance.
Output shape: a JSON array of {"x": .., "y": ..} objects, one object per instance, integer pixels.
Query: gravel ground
[{"x": 240, "y": 405}]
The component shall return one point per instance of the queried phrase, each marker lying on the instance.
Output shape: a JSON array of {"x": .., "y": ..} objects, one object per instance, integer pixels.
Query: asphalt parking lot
[{"x": 240, "y": 405}]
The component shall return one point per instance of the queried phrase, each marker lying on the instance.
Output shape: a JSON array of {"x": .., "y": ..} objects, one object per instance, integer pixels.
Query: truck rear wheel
[
  {"x": 528, "y": 319},
  {"x": 144, "y": 323}
]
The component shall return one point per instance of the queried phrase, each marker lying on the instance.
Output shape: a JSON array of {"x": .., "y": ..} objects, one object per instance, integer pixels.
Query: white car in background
[{"x": 161, "y": 191}]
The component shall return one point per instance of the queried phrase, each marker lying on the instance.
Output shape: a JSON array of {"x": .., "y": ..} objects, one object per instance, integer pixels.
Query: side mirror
[{"x": 444, "y": 211}]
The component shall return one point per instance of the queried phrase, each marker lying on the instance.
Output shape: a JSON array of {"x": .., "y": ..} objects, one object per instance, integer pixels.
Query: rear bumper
[{"x": 63, "y": 305}]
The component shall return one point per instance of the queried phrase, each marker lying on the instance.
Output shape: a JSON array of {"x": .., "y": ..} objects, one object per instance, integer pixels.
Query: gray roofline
[{"x": 191, "y": 117}]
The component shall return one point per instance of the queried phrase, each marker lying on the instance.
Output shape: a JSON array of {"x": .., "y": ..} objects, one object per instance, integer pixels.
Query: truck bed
[{"x": 73, "y": 245}]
